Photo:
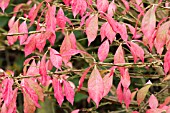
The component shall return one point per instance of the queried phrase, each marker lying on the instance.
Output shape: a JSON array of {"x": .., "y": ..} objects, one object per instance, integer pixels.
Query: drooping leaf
[
  {"x": 55, "y": 58},
  {"x": 40, "y": 41},
  {"x": 23, "y": 29},
  {"x": 142, "y": 93},
  {"x": 37, "y": 88},
  {"x": 112, "y": 8},
  {"x": 127, "y": 97},
  {"x": 153, "y": 102},
  {"x": 69, "y": 91},
  {"x": 67, "y": 2},
  {"x": 78, "y": 6},
  {"x": 119, "y": 92},
  {"x": 162, "y": 37},
  {"x": 149, "y": 23},
  {"x": 75, "y": 111},
  {"x": 91, "y": 28},
  {"x": 29, "y": 106},
  {"x": 102, "y": 5},
  {"x": 125, "y": 79},
  {"x": 58, "y": 92},
  {"x": 13, "y": 29},
  {"x": 95, "y": 86},
  {"x": 126, "y": 4},
  {"x": 30, "y": 45},
  {"x": 107, "y": 82},
  {"x": 119, "y": 59},
  {"x": 136, "y": 51},
  {"x": 30, "y": 92},
  {"x": 133, "y": 31},
  {"x": 33, "y": 69},
  {"x": 103, "y": 50},
  {"x": 83, "y": 77},
  {"x": 4, "y": 4},
  {"x": 68, "y": 43},
  {"x": 122, "y": 30},
  {"x": 167, "y": 62},
  {"x": 43, "y": 70}
]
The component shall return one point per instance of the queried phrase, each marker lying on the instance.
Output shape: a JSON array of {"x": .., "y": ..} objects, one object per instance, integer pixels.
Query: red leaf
[
  {"x": 95, "y": 86},
  {"x": 13, "y": 29},
  {"x": 103, "y": 50},
  {"x": 111, "y": 9},
  {"x": 127, "y": 97},
  {"x": 4, "y": 4},
  {"x": 153, "y": 102},
  {"x": 162, "y": 37},
  {"x": 58, "y": 93},
  {"x": 107, "y": 82},
  {"x": 119, "y": 92},
  {"x": 126, "y": 4},
  {"x": 91, "y": 28},
  {"x": 142, "y": 93},
  {"x": 102, "y": 5},
  {"x": 78, "y": 6},
  {"x": 33, "y": 69},
  {"x": 55, "y": 58},
  {"x": 125, "y": 79},
  {"x": 122, "y": 30},
  {"x": 69, "y": 91},
  {"x": 167, "y": 62},
  {"x": 136, "y": 51},
  {"x": 119, "y": 59},
  {"x": 83, "y": 77},
  {"x": 149, "y": 23},
  {"x": 30, "y": 45},
  {"x": 23, "y": 29},
  {"x": 11, "y": 21}
]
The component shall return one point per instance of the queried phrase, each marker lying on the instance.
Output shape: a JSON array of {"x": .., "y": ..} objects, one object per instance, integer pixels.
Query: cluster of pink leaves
[{"x": 98, "y": 86}]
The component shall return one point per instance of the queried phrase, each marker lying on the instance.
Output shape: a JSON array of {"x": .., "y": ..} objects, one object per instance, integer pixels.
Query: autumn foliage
[{"x": 114, "y": 49}]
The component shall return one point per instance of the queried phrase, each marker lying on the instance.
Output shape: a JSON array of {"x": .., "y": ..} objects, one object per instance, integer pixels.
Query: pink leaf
[
  {"x": 55, "y": 58},
  {"x": 13, "y": 29},
  {"x": 69, "y": 92},
  {"x": 7, "y": 90},
  {"x": 122, "y": 30},
  {"x": 133, "y": 31},
  {"x": 34, "y": 12},
  {"x": 112, "y": 8},
  {"x": 127, "y": 97},
  {"x": 23, "y": 29},
  {"x": 125, "y": 79},
  {"x": 31, "y": 93},
  {"x": 119, "y": 59},
  {"x": 69, "y": 43},
  {"x": 107, "y": 81},
  {"x": 162, "y": 37},
  {"x": 83, "y": 19},
  {"x": 83, "y": 77},
  {"x": 142, "y": 93},
  {"x": 91, "y": 28},
  {"x": 136, "y": 51},
  {"x": 11, "y": 21},
  {"x": 33, "y": 69},
  {"x": 95, "y": 86},
  {"x": 30, "y": 45},
  {"x": 4, "y": 4},
  {"x": 67, "y": 2},
  {"x": 103, "y": 31},
  {"x": 126, "y": 4},
  {"x": 153, "y": 102},
  {"x": 40, "y": 41},
  {"x": 149, "y": 23},
  {"x": 43, "y": 70},
  {"x": 58, "y": 92},
  {"x": 119, "y": 92},
  {"x": 78, "y": 6},
  {"x": 167, "y": 62},
  {"x": 102, "y": 5},
  {"x": 75, "y": 111},
  {"x": 103, "y": 50}
]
